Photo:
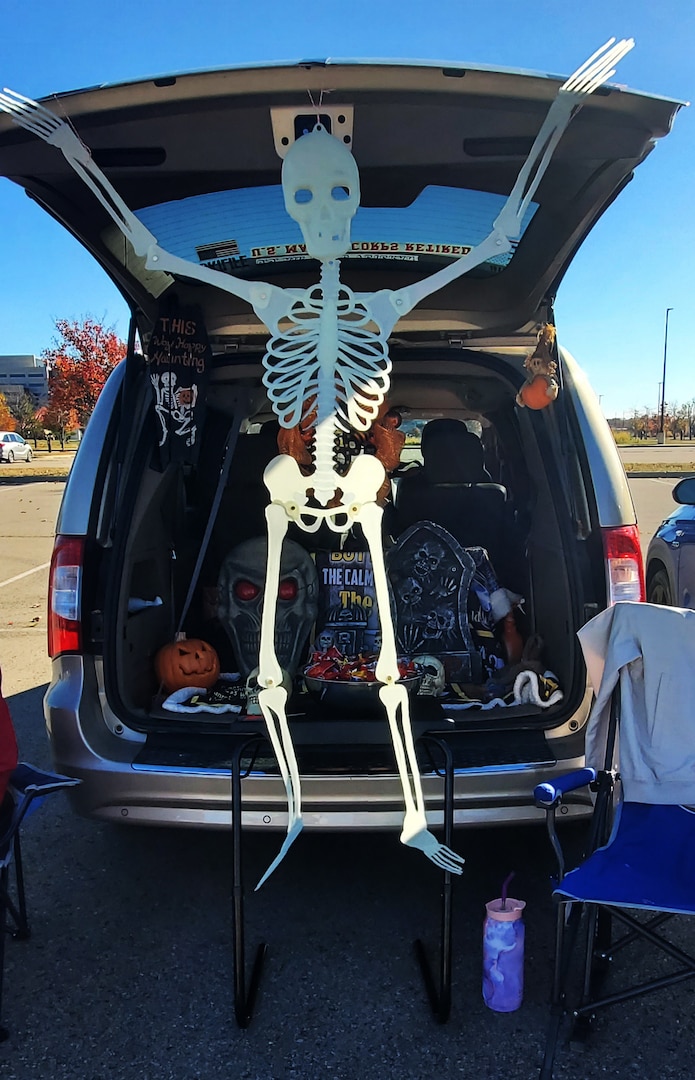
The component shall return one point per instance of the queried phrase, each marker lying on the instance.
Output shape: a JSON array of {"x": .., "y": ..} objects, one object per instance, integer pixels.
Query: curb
[
  {"x": 6, "y": 481},
  {"x": 639, "y": 474}
]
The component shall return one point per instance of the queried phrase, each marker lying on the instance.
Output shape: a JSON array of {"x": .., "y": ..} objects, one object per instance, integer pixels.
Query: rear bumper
[{"x": 126, "y": 780}]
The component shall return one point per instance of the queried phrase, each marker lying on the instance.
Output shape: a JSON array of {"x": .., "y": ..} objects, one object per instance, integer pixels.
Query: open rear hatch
[{"x": 197, "y": 157}]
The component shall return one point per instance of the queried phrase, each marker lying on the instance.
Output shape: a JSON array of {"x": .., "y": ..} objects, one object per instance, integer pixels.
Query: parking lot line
[{"x": 26, "y": 573}]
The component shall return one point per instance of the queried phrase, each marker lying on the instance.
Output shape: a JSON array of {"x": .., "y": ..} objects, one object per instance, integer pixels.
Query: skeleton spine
[{"x": 324, "y": 477}]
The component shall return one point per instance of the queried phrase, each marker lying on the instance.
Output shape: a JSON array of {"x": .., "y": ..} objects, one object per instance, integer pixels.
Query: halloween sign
[
  {"x": 348, "y": 616},
  {"x": 179, "y": 364}
]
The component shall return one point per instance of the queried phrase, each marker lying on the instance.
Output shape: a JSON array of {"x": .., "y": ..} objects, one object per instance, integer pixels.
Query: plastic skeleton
[
  {"x": 177, "y": 404},
  {"x": 333, "y": 359}
]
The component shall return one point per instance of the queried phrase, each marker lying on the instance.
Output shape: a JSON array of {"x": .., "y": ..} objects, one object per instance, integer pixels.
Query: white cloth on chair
[{"x": 650, "y": 649}]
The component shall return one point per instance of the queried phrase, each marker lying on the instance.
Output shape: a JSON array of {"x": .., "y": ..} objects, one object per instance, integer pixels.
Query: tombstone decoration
[
  {"x": 430, "y": 575},
  {"x": 179, "y": 361},
  {"x": 328, "y": 352}
]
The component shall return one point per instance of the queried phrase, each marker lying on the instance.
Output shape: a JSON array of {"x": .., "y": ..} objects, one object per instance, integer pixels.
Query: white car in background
[{"x": 13, "y": 447}]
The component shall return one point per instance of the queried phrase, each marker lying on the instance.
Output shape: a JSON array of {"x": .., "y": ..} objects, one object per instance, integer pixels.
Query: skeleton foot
[
  {"x": 272, "y": 702},
  {"x": 415, "y": 832}
]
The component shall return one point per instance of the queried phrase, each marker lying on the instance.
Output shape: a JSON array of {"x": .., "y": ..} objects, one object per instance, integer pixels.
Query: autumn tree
[
  {"x": 79, "y": 364},
  {"x": 7, "y": 420},
  {"x": 59, "y": 420},
  {"x": 28, "y": 423}
]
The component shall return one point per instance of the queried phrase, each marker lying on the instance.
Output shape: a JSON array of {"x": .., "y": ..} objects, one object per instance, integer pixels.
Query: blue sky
[{"x": 611, "y": 306}]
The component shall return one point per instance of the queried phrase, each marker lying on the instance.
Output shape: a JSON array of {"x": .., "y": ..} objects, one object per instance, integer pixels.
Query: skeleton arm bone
[
  {"x": 507, "y": 226},
  {"x": 53, "y": 130}
]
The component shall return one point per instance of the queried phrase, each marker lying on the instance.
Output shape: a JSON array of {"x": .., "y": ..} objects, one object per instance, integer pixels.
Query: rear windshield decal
[{"x": 249, "y": 227}]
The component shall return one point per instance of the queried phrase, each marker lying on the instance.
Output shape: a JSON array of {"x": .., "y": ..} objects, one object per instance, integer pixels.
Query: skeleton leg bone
[
  {"x": 273, "y": 695},
  {"x": 395, "y": 700}
]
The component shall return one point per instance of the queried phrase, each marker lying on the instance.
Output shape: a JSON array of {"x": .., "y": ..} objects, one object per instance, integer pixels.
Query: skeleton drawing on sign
[
  {"x": 330, "y": 366},
  {"x": 179, "y": 404}
]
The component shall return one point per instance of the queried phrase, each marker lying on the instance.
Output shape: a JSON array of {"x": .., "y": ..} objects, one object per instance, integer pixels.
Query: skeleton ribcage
[{"x": 351, "y": 384}]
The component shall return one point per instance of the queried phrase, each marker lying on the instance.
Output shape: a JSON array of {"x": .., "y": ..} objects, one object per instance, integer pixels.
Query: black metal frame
[
  {"x": 26, "y": 783},
  {"x": 244, "y": 998},
  {"x": 246, "y": 991},
  {"x": 17, "y": 913}
]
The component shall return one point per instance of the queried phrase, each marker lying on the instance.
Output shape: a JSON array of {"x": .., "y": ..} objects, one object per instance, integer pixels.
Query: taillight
[
  {"x": 624, "y": 566},
  {"x": 65, "y": 596}
]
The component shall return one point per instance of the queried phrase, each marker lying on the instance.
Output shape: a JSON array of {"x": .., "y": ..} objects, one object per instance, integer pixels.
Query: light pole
[{"x": 661, "y": 436}]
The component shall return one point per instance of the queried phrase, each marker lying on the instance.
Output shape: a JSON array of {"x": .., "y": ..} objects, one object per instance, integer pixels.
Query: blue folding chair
[
  {"x": 27, "y": 789},
  {"x": 639, "y": 867}
]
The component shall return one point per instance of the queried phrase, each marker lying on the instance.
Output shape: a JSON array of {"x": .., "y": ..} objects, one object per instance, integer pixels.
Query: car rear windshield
[{"x": 247, "y": 230}]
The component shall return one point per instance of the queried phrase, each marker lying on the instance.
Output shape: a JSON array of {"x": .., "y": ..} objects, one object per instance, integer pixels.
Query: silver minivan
[{"x": 540, "y": 492}]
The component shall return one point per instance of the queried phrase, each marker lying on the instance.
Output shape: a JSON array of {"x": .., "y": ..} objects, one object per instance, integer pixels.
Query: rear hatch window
[{"x": 248, "y": 229}]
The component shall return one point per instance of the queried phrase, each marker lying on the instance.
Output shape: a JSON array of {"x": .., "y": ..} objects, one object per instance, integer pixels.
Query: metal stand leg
[
  {"x": 567, "y": 918},
  {"x": 439, "y": 991},
  {"x": 22, "y": 932},
  {"x": 4, "y": 882},
  {"x": 244, "y": 1000}
]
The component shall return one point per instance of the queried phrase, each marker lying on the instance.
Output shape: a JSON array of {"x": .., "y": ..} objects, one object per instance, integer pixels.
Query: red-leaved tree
[{"x": 79, "y": 364}]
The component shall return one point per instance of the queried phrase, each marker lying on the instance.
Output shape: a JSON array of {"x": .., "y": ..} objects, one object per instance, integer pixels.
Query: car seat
[{"x": 454, "y": 490}]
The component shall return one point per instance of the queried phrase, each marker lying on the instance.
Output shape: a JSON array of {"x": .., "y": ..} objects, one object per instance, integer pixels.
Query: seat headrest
[{"x": 452, "y": 454}]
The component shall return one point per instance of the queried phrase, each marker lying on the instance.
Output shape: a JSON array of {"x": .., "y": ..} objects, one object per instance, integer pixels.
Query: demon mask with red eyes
[{"x": 240, "y": 602}]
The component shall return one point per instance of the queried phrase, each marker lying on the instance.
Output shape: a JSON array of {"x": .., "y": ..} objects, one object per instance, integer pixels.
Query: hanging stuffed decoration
[
  {"x": 541, "y": 386},
  {"x": 328, "y": 355}
]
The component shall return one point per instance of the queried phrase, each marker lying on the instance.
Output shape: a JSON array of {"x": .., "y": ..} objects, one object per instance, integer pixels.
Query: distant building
[{"x": 18, "y": 373}]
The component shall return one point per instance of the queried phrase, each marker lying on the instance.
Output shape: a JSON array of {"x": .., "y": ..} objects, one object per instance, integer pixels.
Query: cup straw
[{"x": 505, "y": 886}]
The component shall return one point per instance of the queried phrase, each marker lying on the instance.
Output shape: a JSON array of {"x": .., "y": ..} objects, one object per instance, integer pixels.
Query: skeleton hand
[
  {"x": 40, "y": 121},
  {"x": 595, "y": 71},
  {"x": 55, "y": 131}
]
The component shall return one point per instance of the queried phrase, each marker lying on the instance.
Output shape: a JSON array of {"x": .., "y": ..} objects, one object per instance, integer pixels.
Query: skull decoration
[
  {"x": 253, "y": 690},
  {"x": 324, "y": 641},
  {"x": 240, "y": 605},
  {"x": 410, "y": 593},
  {"x": 433, "y": 678},
  {"x": 321, "y": 185},
  {"x": 427, "y": 558},
  {"x": 438, "y": 624}
]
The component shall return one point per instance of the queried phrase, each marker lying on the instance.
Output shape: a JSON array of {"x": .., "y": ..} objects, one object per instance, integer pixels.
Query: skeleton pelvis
[{"x": 301, "y": 495}]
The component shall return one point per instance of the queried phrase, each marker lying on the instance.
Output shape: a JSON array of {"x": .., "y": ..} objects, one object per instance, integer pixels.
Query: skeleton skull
[
  {"x": 240, "y": 589},
  {"x": 433, "y": 678},
  {"x": 321, "y": 186}
]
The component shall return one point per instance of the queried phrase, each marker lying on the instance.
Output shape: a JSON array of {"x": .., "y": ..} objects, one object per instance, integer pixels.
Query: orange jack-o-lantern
[
  {"x": 538, "y": 393},
  {"x": 187, "y": 662}
]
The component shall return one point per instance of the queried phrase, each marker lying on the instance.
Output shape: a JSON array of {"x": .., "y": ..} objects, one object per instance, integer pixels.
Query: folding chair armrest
[
  {"x": 549, "y": 793},
  {"x": 548, "y": 797}
]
